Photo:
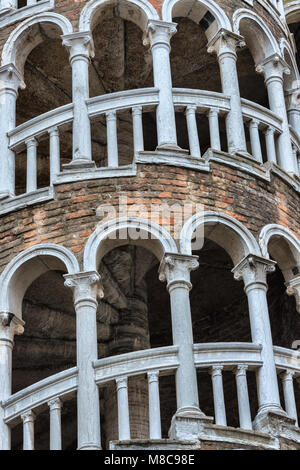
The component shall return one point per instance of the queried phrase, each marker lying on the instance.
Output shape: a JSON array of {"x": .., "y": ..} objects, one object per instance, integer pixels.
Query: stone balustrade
[
  {"x": 265, "y": 127},
  {"x": 28, "y": 405}
]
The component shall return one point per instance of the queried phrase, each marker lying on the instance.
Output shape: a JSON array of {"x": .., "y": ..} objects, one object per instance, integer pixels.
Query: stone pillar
[
  {"x": 289, "y": 395},
  {"x": 159, "y": 34},
  {"x": 243, "y": 397},
  {"x": 123, "y": 409},
  {"x": 10, "y": 325},
  {"x": 55, "y": 406},
  {"x": 54, "y": 153},
  {"x": 218, "y": 392},
  {"x": 80, "y": 46},
  {"x": 293, "y": 288},
  {"x": 214, "y": 132},
  {"x": 175, "y": 269},
  {"x": 273, "y": 69},
  {"x": 10, "y": 81},
  {"x": 154, "y": 405},
  {"x": 255, "y": 140},
  {"x": 87, "y": 290},
  {"x": 224, "y": 44},
  {"x": 138, "y": 134},
  {"x": 193, "y": 136},
  {"x": 270, "y": 145},
  {"x": 253, "y": 271},
  {"x": 28, "y": 419},
  {"x": 293, "y": 109},
  {"x": 31, "y": 179}
]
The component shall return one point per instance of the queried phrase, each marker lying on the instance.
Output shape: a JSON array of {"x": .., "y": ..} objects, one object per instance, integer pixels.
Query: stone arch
[
  {"x": 224, "y": 230},
  {"x": 283, "y": 246},
  {"x": 104, "y": 239},
  {"x": 258, "y": 37},
  {"x": 292, "y": 12},
  {"x": 19, "y": 44},
  {"x": 289, "y": 57},
  {"x": 28, "y": 266},
  {"x": 173, "y": 8},
  {"x": 137, "y": 11}
]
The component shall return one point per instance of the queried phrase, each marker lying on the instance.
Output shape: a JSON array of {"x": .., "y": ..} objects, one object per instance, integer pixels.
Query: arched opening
[
  {"x": 259, "y": 45},
  {"x": 121, "y": 63},
  {"x": 135, "y": 315},
  {"x": 293, "y": 21},
  {"x": 192, "y": 67},
  {"x": 44, "y": 61},
  {"x": 34, "y": 289},
  {"x": 219, "y": 304}
]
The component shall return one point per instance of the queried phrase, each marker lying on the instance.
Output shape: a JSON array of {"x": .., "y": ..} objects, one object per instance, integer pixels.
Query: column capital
[
  {"x": 225, "y": 42},
  {"x": 153, "y": 376},
  {"x": 292, "y": 97},
  {"x": 176, "y": 268},
  {"x": 11, "y": 79},
  {"x": 293, "y": 288},
  {"x": 122, "y": 382},
  {"x": 10, "y": 325},
  {"x": 287, "y": 375},
  {"x": 216, "y": 370},
  {"x": 159, "y": 32},
  {"x": 253, "y": 269},
  {"x": 86, "y": 286},
  {"x": 28, "y": 417},
  {"x": 79, "y": 45},
  {"x": 273, "y": 67},
  {"x": 241, "y": 370},
  {"x": 55, "y": 404}
]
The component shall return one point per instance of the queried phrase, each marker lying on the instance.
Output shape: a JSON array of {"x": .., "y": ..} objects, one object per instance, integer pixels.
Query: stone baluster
[
  {"x": 81, "y": 48},
  {"x": 123, "y": 409},
  {"x": 54, "y": 153},
  {"x": 289, "y": 395},
  {"x": 159, "y": 34},
  {"x": 10, "y": 81},
  {"x": 112, "y": 139},
  {"x": 28, "y": 419},
  {"x": 138, "y": 135},
  {"x": 273, "y": 69},
  {"x": 10, "y": 325},
  {"x": 255, "y": 140},
  {"x": 270, "y": 145},
  {"x": 224, "y": 44},
  {"x": 31, "y": 180},
  {"x": 154, "y": 405},
  {"x": 87, "y": 290},
  {"x": 253, "y": 271},
  {"x": 55, "y": 406},
  {"x": 243, "y": 397},
  {"x": 214, "y": 131},
  {"x": 190, "y": 114},
  {"x": 218, "y": 393}
]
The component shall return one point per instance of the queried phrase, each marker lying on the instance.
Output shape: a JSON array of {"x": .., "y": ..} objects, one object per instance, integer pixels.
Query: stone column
[
  {"x": 273, "y": 69},
  {"x": 175, "y": 269},
  {"x": 293, "y": 288},
  {"x": 193, "y": 136},
  {"x": 55, "y": 406},
  {"x": 80, "y": 46},
  {"x": 123, "y": 409},
  {"x": 218, "y": 392},
  {"x": 87, "y": 290},
  {"x": 289, "y": 395},
  {"x": 28, "y": 419},
  {"x": 293, "y": 108},
  {"x": 253, "y": 271},
  {"x": 270, "y": 145},
  {"x": 255, "y": 140},
  {"x": 10, "y": 81},
  {"x": 224, "y": 44},
  {"x": 159, "y": 34},
  {"x": 214, "y": 132},
  {"x": 243, "y": 397},
  {"x": 10, "y": 325},
  {"x": 154, "y": 405}
]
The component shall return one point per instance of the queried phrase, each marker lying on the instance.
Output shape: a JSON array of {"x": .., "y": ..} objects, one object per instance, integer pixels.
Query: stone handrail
[
  {"x": 40, "y": 393},
  {"x": 287, "y": 359}
]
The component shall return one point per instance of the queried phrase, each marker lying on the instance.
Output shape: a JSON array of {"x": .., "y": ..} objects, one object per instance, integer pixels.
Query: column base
[
  {"x": 5, "y": 195},
  {"x": 277, "y": 424},
  {"x": 171, "y": 148},
  {"x": 245, "y": 154},
  {"x": 89, "y": 446},
  {"x": 79, "y": 164},
  {"x": 188, "y": 424}
]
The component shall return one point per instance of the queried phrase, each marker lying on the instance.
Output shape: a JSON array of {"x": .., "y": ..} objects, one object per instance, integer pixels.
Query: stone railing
[
  {"x": 210, "y": 107},
  {"x": 213, "y": 358}
]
